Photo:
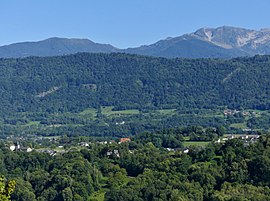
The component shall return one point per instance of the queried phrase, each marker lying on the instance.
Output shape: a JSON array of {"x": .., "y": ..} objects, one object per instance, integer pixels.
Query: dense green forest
[
  {"x": 90, "y": 94},
  {"x": 143, "y": 169},
  {"x": 76, "y": 82}
]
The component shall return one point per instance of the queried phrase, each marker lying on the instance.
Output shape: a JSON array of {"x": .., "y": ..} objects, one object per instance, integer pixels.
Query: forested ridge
[{"x": 75, "y": 82}]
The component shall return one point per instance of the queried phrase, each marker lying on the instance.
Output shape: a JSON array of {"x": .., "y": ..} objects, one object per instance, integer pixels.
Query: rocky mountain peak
[{"x": 233, "y": 37}]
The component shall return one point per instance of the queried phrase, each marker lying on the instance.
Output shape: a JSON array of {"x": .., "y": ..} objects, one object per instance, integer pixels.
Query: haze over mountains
[{"x": 221, "y": 42}]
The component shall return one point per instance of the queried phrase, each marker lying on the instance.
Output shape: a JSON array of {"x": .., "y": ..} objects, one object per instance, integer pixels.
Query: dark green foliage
[
  {"x": 261, "y": 122},
  {"x": 239, "y": 174},
  {"x": 59, "y": 178},
  {"x": 54, "y": 90},
  {"x": 142, "y": 171},
  {"x": 76, "y": 82}
]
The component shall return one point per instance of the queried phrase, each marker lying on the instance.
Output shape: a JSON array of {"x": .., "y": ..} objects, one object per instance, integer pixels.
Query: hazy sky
[{"x": 124, "y": 23}]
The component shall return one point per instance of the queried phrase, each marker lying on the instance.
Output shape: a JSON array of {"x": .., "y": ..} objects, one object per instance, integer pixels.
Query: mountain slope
[
  {"x": 77, "y": 82},
  {"x": 186, "y": 46},
  {"x": 53, "y": 47},
  {"x": 221, "y": 42}
]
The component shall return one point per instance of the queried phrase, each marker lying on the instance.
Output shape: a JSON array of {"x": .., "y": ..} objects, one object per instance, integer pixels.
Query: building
[
  {"x": 17, "y": 147},
  {"x": 124, "y": 140}
]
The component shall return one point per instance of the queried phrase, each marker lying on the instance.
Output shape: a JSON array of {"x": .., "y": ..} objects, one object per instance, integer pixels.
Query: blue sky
[{"x": 124, "y": 23}]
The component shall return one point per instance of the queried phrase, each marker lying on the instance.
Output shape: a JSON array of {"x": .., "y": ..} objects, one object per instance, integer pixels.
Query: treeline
[
  {"x": 75, "y": 124},
  {"x": 174, "y": 137},
  {"x": 75, "y": 82}
]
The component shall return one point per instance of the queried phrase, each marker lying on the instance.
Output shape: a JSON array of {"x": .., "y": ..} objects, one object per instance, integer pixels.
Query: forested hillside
[
  {"x": 139, "y": 170},
  {"x": 76, "y": 82}
]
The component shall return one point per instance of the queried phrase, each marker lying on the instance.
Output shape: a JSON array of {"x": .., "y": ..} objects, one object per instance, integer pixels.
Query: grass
[
  {"x": 108, "y": 111},
  {"x": 51, "y": 137},
  {"x": 32, "y": 123},
  {"x": 217, "y": 157},
  {"x": 167, "y": 111},
  {"x": 239, "y": 125},
  {"x": 125, "y": 112},
  {"x": 236, "y": 135},
  {"x": 187, "y": 138},
  {"x": 195, "y": 143},
  {"x": 89, "y": 112},
  {"x": 64, "y": 125},
  {"x": 211, "y": 115},
  {"x": 257, "y": 111},
  {"x": 59, "y": 149}
]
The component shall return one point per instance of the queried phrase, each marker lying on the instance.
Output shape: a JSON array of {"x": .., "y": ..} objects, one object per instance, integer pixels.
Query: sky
[{"x": 124, "y": 23}]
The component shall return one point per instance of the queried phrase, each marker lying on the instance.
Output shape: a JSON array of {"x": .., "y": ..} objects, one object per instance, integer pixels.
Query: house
[
  {"x": 103, "y": 142},
  {"x": 247, "y": 129},
  {"x": 170, "y": 149},
  {"x": 186, "y": 151},
  {"x": 229, "y": 112},
  {"x": 12, "y": 147},
  {"x": 124, "y": 140},
  {"x": 84, "y": 144},
  {"x": 26, "y": 149},
  {"x": 17, "y": 147},
  {"x": 51, "y": 152},
  {"x": 120, "y": 123},
  {"x": 231, "y": 137},
  {"x": 218, "y": 141},
  {"x": 115, "y": 152}
]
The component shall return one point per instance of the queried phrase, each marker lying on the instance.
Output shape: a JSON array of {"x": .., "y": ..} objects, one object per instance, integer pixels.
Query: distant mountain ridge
[
  {"x": 53, "y": 47},
  {"x": 221, "y": 42}
]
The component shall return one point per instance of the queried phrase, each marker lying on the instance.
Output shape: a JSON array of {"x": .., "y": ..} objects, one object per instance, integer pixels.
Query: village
[{"x": 57, "y": 145}]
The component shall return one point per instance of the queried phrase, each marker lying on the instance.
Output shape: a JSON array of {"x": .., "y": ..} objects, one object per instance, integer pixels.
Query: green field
[
  {"x": 195, "y": 143},
  {"x": 167, "y": 111},
  {"x": 187, "y": 138},
  {"x": 108, "y": 111},
  {"x": 89, "y": 112},
  {"x": 32, "y": 123},
  {"x": 239, "y": 125}
]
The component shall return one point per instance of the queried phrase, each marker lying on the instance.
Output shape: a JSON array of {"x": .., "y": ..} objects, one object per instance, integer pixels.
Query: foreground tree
[{"x": 6, "y": 188}]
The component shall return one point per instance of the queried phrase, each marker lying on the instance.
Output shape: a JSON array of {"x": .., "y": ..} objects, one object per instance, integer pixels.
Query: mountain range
[{"x": 221, "y": 42}]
